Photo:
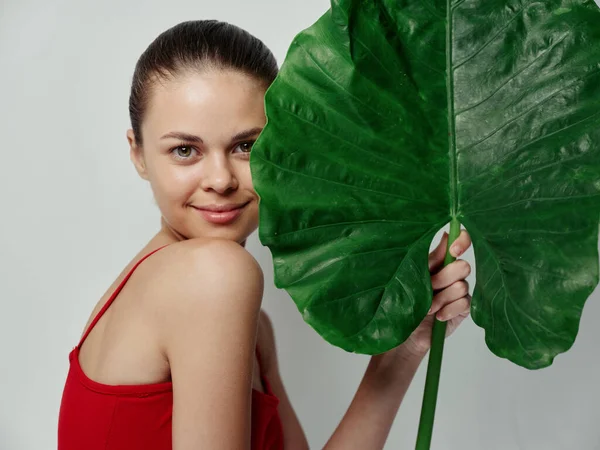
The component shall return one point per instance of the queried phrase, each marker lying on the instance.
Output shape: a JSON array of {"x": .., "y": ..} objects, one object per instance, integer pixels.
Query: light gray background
[{"x": 74, "y": 213}]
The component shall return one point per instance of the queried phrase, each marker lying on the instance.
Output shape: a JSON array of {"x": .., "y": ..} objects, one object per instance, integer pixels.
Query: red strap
[{"x": 114, "y": 295}]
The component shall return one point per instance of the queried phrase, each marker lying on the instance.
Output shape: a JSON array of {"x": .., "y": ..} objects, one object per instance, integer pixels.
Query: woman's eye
[
  {"x": 245, "y": 147},
  {"x": 183, "y": 151}
]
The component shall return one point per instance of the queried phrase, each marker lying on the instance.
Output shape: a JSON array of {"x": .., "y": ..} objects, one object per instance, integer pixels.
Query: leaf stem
[{"x": 434, "y": 366}]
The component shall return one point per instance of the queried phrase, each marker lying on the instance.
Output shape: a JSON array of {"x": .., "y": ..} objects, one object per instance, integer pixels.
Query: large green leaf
[{"x": 389, "y": 118}]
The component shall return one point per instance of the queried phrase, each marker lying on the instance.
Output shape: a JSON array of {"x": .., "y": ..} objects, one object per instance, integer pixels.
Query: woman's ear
[{"x": 136, "y": 155}]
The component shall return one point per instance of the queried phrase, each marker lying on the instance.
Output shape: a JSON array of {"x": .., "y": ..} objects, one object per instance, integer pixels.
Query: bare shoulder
[
  {"x": 208, "y": 276},
  {"x": 201, "y": 277},
  {"x": 187, "y": 268},
  {"x": 217, "y": 251}
]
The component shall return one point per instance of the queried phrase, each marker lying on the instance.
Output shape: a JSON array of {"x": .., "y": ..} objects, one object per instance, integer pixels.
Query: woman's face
[{"x": 197, "y": 134}]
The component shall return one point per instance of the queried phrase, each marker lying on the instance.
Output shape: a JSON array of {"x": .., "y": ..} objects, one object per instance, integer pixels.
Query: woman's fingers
[
  {"x": 457, "y": 308},
  {"x": 453, "y": 272},
  {"x": 458, "y": 247},
  {"x": 462, "y": 243},
  {"x": 451, "y": 294}
]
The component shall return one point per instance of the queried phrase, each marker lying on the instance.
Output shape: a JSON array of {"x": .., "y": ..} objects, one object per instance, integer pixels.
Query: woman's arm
[
  {"x": 369, "y": 418},
  {"x": 367, "y": 423},
  {"x": 212, "y": 294},
  {"x": 294, "y": 438}
]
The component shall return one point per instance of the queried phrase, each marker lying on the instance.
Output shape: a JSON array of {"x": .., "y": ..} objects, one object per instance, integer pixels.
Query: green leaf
[{"x": 391, "y": 117}]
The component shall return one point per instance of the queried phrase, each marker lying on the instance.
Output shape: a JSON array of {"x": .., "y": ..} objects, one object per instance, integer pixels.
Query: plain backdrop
[{"x": 74, "y": 213}]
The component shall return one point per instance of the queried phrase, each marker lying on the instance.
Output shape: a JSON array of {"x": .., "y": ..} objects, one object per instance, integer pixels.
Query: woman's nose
[{"x": 218, "y": 175}]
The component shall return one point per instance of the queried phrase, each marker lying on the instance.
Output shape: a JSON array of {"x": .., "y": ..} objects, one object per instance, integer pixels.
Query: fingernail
[
  {"x": 430, "y": 311},
  {"x": 456, "y": 250}
]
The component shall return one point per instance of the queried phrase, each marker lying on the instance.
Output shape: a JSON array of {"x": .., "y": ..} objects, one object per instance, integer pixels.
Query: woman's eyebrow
[
  {"x": 183, "y": 137},
  {"x": 246, "y": 134},
  {"x": 197, "y": 139}
]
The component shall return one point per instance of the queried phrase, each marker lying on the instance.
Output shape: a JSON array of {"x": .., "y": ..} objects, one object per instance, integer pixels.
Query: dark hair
[{"x": 197, "y": 45}]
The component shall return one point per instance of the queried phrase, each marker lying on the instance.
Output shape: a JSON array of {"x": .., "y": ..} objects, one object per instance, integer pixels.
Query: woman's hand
[{"x": 451, "y": 300}]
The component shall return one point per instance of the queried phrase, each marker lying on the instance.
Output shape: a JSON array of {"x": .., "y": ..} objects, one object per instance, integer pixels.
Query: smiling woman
[
  {"x": 196, "y": 108},
  {"x": 177, "y": 353},
  {"x": 193, "y": 146}
]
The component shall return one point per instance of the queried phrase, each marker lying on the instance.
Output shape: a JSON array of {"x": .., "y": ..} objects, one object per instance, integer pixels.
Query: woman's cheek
[{"x": 178, "y": 184}]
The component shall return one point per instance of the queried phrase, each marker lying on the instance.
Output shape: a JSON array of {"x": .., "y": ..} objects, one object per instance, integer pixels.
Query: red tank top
[{"x": 95, "y": 416}]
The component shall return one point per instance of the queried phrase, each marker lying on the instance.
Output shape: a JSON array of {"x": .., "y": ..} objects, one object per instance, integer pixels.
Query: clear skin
[{"x": 173, "y": 320}]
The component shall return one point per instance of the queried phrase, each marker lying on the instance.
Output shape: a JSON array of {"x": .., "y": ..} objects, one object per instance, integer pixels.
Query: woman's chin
[{"x": 229, "y": 233}]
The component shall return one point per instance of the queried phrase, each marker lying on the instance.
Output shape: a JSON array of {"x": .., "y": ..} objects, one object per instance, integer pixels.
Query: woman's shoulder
[
  {"x": 198, "y": 259},
  {"x": 201, "y": 273},
  {"x": 213, "y": 248}
]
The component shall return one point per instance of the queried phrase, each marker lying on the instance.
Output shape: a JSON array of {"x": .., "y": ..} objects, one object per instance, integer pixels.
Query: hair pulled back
[{"x": 196, "y": 45}]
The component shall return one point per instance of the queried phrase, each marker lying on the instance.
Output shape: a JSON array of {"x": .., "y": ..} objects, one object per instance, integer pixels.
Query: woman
[{"x": 185, "y": 358}]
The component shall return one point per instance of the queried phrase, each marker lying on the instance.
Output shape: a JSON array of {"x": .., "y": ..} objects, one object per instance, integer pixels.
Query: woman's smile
[{"x": 221, "y": 215}]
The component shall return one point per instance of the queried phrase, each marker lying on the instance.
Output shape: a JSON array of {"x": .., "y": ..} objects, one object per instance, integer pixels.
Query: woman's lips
[{"x": 221, "y": 217}]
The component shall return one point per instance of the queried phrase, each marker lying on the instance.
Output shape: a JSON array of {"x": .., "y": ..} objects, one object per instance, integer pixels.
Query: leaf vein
[
  {"x": 535, "y": 199},
  {"x": 538, "y": 232},
  {"x": 334, "y": 81},
  {"x": 342, "y": 258},
  {"x": 511, "y": 78},
  {"x": 527, "y": 145},
  {"x": 349, "y": 143},
  {"x": 523, "y": 174},
  {"x": 387, "y": 284},
  {"x": 492, "y": 39},
  {"x": 347, "y": 186},
  {"x": 339, "y": 224},
  {"x": 533, "y": 108},
  {"x": 335, "y": 300}
]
